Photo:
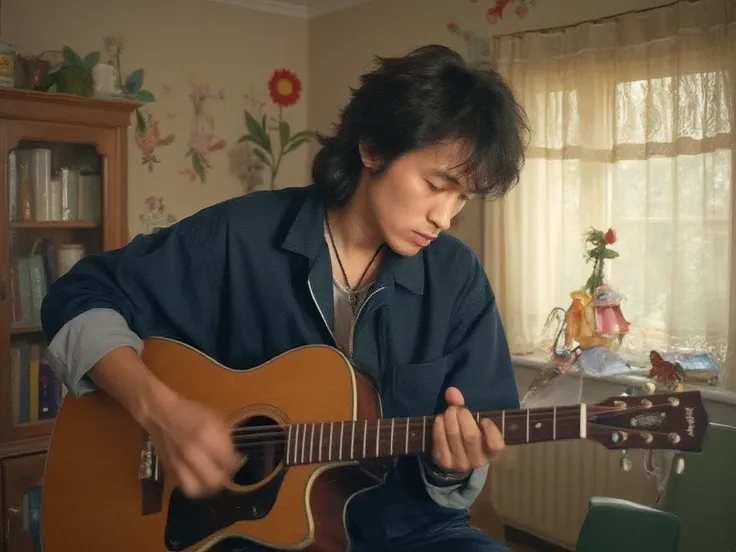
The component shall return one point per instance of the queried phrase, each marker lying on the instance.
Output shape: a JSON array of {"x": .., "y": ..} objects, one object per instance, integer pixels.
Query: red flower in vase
[
  {"x": 284, "y": 88},
  {"x": 610, "y": 236}
]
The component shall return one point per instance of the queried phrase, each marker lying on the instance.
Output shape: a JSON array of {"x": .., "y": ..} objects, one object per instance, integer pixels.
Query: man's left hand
[{"x": 459, "y": 443}]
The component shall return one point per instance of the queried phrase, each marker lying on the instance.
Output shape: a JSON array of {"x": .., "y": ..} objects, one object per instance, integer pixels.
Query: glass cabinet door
[{"x": 54, "y": 218}]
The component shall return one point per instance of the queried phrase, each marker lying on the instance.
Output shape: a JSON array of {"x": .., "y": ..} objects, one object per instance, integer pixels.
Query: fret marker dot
[{"x": 538, "y": 425}]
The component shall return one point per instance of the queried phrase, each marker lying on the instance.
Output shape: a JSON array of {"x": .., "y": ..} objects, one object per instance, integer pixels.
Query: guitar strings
[
  {"x": 514, "y": 415},
  {"x": 275, "y": 447},
  {"x": 535, "y": 415},
  {"x": 278, "y": 436},
  {"x": 256, "y": 437},
  {"x": 399, "y": 428}
]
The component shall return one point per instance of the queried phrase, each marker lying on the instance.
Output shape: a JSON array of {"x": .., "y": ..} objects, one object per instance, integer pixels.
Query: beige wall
[
  {"x": 234, "y": 50},
  {"x": 341, "y": 46},
  {"x": 179, "y": 43}
]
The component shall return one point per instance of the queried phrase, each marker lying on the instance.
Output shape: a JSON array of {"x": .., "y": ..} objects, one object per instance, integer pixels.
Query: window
[{"x": 635, "y": 136}]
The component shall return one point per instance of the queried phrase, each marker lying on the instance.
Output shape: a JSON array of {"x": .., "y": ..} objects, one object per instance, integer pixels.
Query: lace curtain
[{"x": 632, "y": 129}]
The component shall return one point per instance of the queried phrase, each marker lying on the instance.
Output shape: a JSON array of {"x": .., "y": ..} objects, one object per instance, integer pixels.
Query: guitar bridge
[{"x": 151, "y": 479}]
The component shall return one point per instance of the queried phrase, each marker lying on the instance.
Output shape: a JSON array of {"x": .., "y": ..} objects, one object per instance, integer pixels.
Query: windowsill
[{"x": 717, "y": 394}]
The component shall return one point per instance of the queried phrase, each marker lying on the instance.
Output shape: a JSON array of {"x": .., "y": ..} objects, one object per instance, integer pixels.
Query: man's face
[{"x": 418, "y": 195}]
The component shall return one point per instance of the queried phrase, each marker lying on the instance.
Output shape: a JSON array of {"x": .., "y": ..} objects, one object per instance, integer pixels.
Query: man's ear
[{"x": 369, "y": 160}]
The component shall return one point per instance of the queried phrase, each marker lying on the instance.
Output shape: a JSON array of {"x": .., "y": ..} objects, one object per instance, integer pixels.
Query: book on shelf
[
  {"x": 30, "y": 279},
  {"x": 37, "y": 392},
  {"x": 31, "y": 515},
  {"x": 37, "y": 192}
]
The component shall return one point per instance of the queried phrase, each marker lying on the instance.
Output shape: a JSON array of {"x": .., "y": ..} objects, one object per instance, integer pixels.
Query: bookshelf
[{"x": 64, "y": 195}]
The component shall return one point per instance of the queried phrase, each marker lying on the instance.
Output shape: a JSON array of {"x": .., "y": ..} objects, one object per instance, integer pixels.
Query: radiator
[{"x": 544, "y": 488}]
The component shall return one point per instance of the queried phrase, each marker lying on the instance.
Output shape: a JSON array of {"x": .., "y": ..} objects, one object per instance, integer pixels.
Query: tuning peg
[
  {"x": 625, "y": 462},
  {"x": 679, "y": 465},
  {"x": 649, "y": 388}
]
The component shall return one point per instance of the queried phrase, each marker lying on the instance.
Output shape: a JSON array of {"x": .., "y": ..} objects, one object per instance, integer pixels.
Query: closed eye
[{"x": 432, "y": 186}]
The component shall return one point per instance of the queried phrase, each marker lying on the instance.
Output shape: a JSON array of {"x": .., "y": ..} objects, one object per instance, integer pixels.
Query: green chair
[
  {"x": 703, "y": 496},
  {"x": 616, "y": 525}
]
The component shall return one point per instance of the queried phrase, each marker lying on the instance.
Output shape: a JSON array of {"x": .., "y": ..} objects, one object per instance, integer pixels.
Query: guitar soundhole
[{"x": 261, "y": 440}]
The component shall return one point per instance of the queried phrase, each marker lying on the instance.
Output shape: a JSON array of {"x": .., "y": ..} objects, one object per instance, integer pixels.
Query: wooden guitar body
[{"x": 100, "y": 494}]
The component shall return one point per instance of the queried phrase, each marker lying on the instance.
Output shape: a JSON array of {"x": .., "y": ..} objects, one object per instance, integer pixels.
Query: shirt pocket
[{"x": 418, "y": 387}]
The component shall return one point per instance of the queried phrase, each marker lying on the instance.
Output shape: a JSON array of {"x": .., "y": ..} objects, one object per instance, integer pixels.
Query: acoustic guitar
[{"x": 311, "y": 432}]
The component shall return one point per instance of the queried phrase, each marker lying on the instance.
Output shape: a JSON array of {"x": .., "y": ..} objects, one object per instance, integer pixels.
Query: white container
[
  {"x": 69, "y": 254},
  {"x": 105, "y": 78}
]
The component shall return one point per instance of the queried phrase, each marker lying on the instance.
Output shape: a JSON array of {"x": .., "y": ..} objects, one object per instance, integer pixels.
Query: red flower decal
[{"x": 284, "y": 88}]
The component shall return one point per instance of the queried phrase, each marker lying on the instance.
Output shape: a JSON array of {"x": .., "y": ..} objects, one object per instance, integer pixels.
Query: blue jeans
[{"x": 459, "y": 539}]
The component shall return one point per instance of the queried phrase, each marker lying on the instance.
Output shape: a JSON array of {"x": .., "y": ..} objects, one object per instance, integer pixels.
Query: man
[{"x": 358, "y": 260}]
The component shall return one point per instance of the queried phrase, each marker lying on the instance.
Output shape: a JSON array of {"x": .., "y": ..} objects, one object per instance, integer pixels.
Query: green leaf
[
  {"x": 91, "y": 59},
  {"x": 145, "y": 96},
  {"x": 50, "y": 80},
  {"x": 247, "y": 138},
  {"x": 610, "y": 254},
  {"x": 262, "y": 156},
  {"x": 134, "y": 81},
  {"x": 140, "y": 121},
  {"x": 294, "y": 145},
  {"x": 71, "y": 57},
  {"x": 284, "y": 132},
  {"x": 199, "y": 166},
  {"x": 258, "y": 132}
]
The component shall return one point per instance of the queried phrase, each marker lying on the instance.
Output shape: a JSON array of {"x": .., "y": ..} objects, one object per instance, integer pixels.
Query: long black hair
[{"x": 427, "y": 97}]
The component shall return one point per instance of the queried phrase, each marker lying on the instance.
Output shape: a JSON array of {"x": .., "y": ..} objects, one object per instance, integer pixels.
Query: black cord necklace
[{"x": 353, "y": 292}]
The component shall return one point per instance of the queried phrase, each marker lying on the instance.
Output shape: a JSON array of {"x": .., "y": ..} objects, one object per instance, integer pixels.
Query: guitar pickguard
[{"x": 190, "y": 521}]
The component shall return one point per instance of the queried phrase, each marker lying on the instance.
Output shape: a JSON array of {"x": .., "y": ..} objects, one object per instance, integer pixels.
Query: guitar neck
[{"x": 386, "y": 438}]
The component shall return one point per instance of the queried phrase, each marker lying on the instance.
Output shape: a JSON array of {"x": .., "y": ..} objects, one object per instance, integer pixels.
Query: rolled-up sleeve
[{"x": 83, "y": 341}]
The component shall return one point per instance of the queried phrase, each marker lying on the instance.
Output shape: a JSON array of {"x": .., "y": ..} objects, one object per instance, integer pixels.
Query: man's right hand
[
  {"x": 193, "y": 441},
  {"x": 194, "y": 444}
]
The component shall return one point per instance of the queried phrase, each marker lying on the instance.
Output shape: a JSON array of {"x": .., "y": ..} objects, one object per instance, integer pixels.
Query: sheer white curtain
[{"x": 632, "y": 122}]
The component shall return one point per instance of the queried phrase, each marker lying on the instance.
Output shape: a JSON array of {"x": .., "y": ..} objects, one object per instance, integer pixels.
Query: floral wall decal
[
  {"x": 495, "y": 14},
  {"x": 285, "y": 88},
  {"x": 246, "y": 166},
  {"x": 150, "y": 138},
  {"x": 155, "y": 216},
  {"x": 202, "y": 140},
  {"x": 477, "y": 46}
]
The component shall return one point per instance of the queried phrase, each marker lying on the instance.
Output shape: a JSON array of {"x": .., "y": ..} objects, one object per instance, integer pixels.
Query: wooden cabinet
[
  {"x": 63, "y": 194},
  {"x": 22, "y": 483}
]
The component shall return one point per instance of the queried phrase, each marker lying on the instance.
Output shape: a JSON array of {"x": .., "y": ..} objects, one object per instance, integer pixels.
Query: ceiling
[{"x": 303, "y": 9}]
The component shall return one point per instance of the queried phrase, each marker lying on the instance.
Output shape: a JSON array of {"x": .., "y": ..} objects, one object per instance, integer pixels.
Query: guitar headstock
[{"x": 673, "y": 421}]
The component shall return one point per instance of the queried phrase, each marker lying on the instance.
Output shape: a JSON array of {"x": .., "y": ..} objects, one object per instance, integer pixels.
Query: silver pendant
[{"x": 353, "y": 300}]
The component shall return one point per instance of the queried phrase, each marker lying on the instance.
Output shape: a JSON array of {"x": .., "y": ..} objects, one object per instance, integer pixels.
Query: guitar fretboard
[{"x": 363, "y": 439}]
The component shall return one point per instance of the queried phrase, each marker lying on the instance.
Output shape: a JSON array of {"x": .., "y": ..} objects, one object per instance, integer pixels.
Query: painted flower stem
[
  {"x": 284, "y": 89},
  {"x": 277, "y": 162}
]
